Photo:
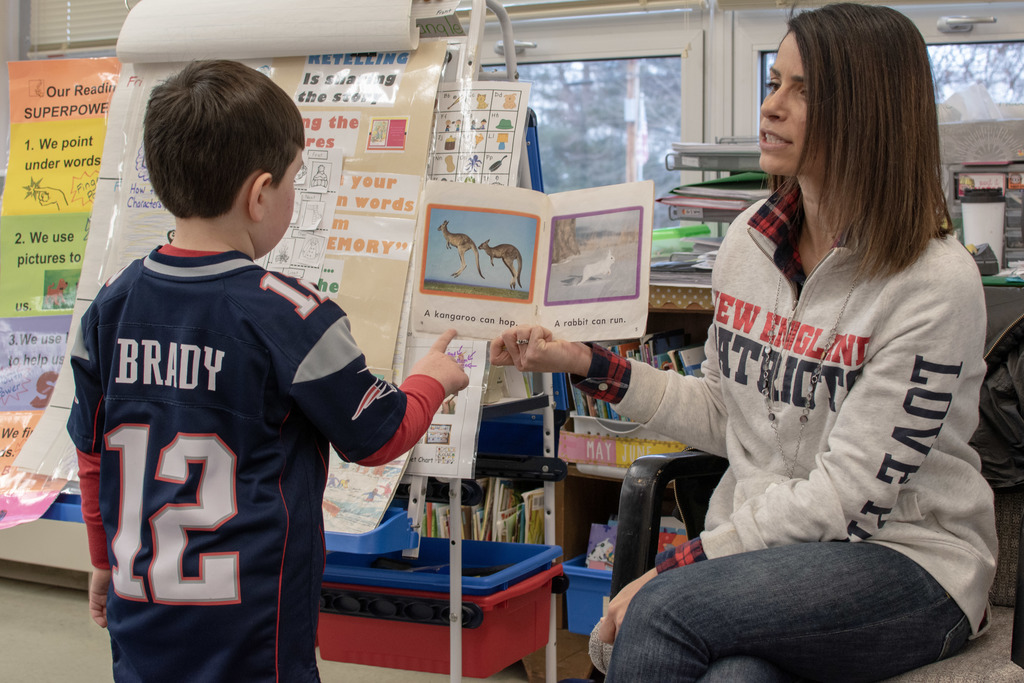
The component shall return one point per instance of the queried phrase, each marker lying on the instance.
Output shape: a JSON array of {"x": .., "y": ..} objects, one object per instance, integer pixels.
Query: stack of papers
[
  {"x": 684, "y": 268},
  {"x": 737, "y": 191},
  {"x": 738, "y": 187}
]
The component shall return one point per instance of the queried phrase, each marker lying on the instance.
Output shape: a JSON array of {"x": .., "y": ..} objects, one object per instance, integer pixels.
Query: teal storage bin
[{"x": 588, "y": 588}]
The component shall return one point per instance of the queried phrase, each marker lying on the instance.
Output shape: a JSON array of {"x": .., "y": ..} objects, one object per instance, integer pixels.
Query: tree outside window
[{"x": 605, "y": 122}]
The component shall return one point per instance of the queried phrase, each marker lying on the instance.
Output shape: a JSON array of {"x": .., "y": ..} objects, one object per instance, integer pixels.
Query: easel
[{"x": 416, "y": 476}]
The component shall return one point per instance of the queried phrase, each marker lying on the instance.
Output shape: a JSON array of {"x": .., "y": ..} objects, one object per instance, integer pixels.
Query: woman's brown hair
[{"x": 871, "y": 118}]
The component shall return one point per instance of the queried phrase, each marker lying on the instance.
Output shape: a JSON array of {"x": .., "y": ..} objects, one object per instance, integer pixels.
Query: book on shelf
[
  {"x": 666, "y": 361},
  {"x": 602, "y": 540},
  {"x": 663, "y": 342},
  {"x": 690, "y": 358},
  {"x": 669, "y": 350},
  {"x": 672, "y": 533},
  {"x": 532, "y": 529},
  {"x": 601, "y": 546},
  {"x": 510, "y": 511},
  {"x": 505, "y": 514}
]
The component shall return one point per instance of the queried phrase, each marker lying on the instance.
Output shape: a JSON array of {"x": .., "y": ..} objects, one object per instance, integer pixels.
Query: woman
[{"x": 852, "y": 537}]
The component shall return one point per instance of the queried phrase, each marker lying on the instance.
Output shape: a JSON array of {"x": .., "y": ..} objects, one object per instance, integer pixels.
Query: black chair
[{"x": 995, "y": 657}]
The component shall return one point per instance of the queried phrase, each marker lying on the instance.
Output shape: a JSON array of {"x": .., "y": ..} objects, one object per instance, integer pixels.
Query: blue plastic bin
[
  {"x": 585, "y": 598},
  {"x": 393, "y": 533},
  {"x": 430, "y": 571}
]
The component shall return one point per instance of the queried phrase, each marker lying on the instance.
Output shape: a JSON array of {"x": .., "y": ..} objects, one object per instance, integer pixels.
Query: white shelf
[{"x": 727, "y": 156}]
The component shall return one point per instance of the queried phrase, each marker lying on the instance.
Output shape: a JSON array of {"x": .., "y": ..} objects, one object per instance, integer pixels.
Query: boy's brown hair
[
  {"x": 211, "y": 126},
  {"x": 871, "y": 117}
]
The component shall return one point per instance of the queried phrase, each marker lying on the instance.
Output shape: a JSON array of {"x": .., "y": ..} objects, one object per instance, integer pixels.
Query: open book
[{"x": 489, "y": 257}]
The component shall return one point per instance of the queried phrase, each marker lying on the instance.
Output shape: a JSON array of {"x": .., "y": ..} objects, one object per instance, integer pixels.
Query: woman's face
[{"x": 784, "y": 113}]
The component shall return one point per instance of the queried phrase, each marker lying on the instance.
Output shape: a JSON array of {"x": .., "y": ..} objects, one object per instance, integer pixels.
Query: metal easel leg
[
  {"x": 550, "y": 434},
  {"x": 455, "y": 576}
]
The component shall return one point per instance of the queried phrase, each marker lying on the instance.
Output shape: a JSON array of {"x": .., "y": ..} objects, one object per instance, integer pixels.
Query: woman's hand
[
  {"x": 608, "y": 627},
  {"x": 532, "y": 348}
]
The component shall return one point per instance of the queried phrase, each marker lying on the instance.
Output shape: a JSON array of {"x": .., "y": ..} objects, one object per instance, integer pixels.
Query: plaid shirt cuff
[
  {"x": 688, "y": 553},
  {"x": 608, "y": 376}
]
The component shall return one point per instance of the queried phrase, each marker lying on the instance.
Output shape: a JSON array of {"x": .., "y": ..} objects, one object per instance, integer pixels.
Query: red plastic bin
[{"x": 515, "y": 623}]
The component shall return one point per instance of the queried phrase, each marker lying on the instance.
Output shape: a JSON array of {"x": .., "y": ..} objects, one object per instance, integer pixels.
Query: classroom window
[
  {"x": 995, "y": 65},
  {"x": 603, "y": 122},
  {"x": 958, "y": 65}
]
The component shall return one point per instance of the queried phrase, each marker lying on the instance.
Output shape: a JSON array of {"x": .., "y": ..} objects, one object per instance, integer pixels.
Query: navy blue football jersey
[{"x": 211, "y": 387}]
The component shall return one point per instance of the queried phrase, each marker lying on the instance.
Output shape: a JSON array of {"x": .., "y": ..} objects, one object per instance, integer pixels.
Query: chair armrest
[
  {"x": 1017, "y": 633},
  {"x": 636, "y": 536}
]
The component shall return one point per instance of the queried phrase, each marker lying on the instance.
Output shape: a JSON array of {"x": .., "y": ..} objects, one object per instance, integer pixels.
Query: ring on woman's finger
[{"x": 522, "y": 341}]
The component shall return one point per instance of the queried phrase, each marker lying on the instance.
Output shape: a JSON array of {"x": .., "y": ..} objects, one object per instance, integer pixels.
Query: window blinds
[
  {"x": 58, "y": 27},
  {"x": 552, "y": 9}
]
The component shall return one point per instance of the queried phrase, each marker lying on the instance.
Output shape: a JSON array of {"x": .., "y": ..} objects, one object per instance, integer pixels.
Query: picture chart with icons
[{"x": 479, "y": 132}]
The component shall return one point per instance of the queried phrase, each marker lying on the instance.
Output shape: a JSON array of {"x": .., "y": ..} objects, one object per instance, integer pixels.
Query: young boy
[{"x": 207, "y": 392}]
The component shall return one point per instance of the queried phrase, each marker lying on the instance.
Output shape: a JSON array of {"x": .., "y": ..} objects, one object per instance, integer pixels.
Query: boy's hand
[
  {"x": 532, "y": 348},
  {"x": 99, "y": 583},
  {"x": 442, "y": 367}
]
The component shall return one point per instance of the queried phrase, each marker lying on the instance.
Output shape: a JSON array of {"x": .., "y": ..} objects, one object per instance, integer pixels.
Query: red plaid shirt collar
[{"x": 779, "y": 220}]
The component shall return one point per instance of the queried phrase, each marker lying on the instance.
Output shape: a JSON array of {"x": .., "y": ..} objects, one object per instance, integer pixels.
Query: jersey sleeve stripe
[{"x": 332, "y": 352}]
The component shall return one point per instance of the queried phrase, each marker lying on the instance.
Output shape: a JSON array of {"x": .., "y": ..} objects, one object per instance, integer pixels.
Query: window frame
[{"x": 638, "y": 35}]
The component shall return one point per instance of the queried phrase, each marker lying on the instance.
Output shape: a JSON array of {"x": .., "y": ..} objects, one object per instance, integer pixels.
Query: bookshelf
[{"x": 586, "y": 496}]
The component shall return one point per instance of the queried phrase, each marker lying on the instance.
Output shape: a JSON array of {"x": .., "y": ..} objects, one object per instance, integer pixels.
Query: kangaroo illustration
[
  {"x": 463, "y": 243},
  {"x": 510, "y": 256}
]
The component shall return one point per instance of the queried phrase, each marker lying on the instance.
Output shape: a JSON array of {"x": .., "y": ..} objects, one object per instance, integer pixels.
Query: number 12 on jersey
[{"x": 217, "y": 581}]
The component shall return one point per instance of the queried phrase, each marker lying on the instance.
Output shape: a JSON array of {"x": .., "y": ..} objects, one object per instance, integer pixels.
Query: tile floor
[{"x": 47, "y": 636}]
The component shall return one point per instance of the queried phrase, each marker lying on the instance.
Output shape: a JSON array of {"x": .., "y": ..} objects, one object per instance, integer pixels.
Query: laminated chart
[
  {"x": 386, "y": 71},
  {"x": 58, "y": 124},
  {"x": 479, "y": 132}
]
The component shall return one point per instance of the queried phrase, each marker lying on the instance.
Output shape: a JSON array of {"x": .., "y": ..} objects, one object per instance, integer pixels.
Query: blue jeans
[{"x": 818, "y": 611}]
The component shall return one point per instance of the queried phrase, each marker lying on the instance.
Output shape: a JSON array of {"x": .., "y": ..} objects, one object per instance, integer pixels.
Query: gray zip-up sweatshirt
[{"x": 883, "y": 456}]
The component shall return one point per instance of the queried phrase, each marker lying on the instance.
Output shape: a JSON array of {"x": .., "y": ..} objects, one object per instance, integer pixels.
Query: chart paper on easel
[{"x": 365, "y": 268}]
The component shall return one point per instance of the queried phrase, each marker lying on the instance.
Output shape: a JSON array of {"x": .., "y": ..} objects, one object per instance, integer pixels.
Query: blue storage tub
[
  {"x": 66, "y": 508},
  {"x": 512, "y": 562},
  {"x": 393, "y": 533},
  {"x": 588, "y": 589}
]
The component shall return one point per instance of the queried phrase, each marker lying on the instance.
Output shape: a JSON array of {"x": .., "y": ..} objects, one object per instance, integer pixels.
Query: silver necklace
[{"x": 771, "y": 372}]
